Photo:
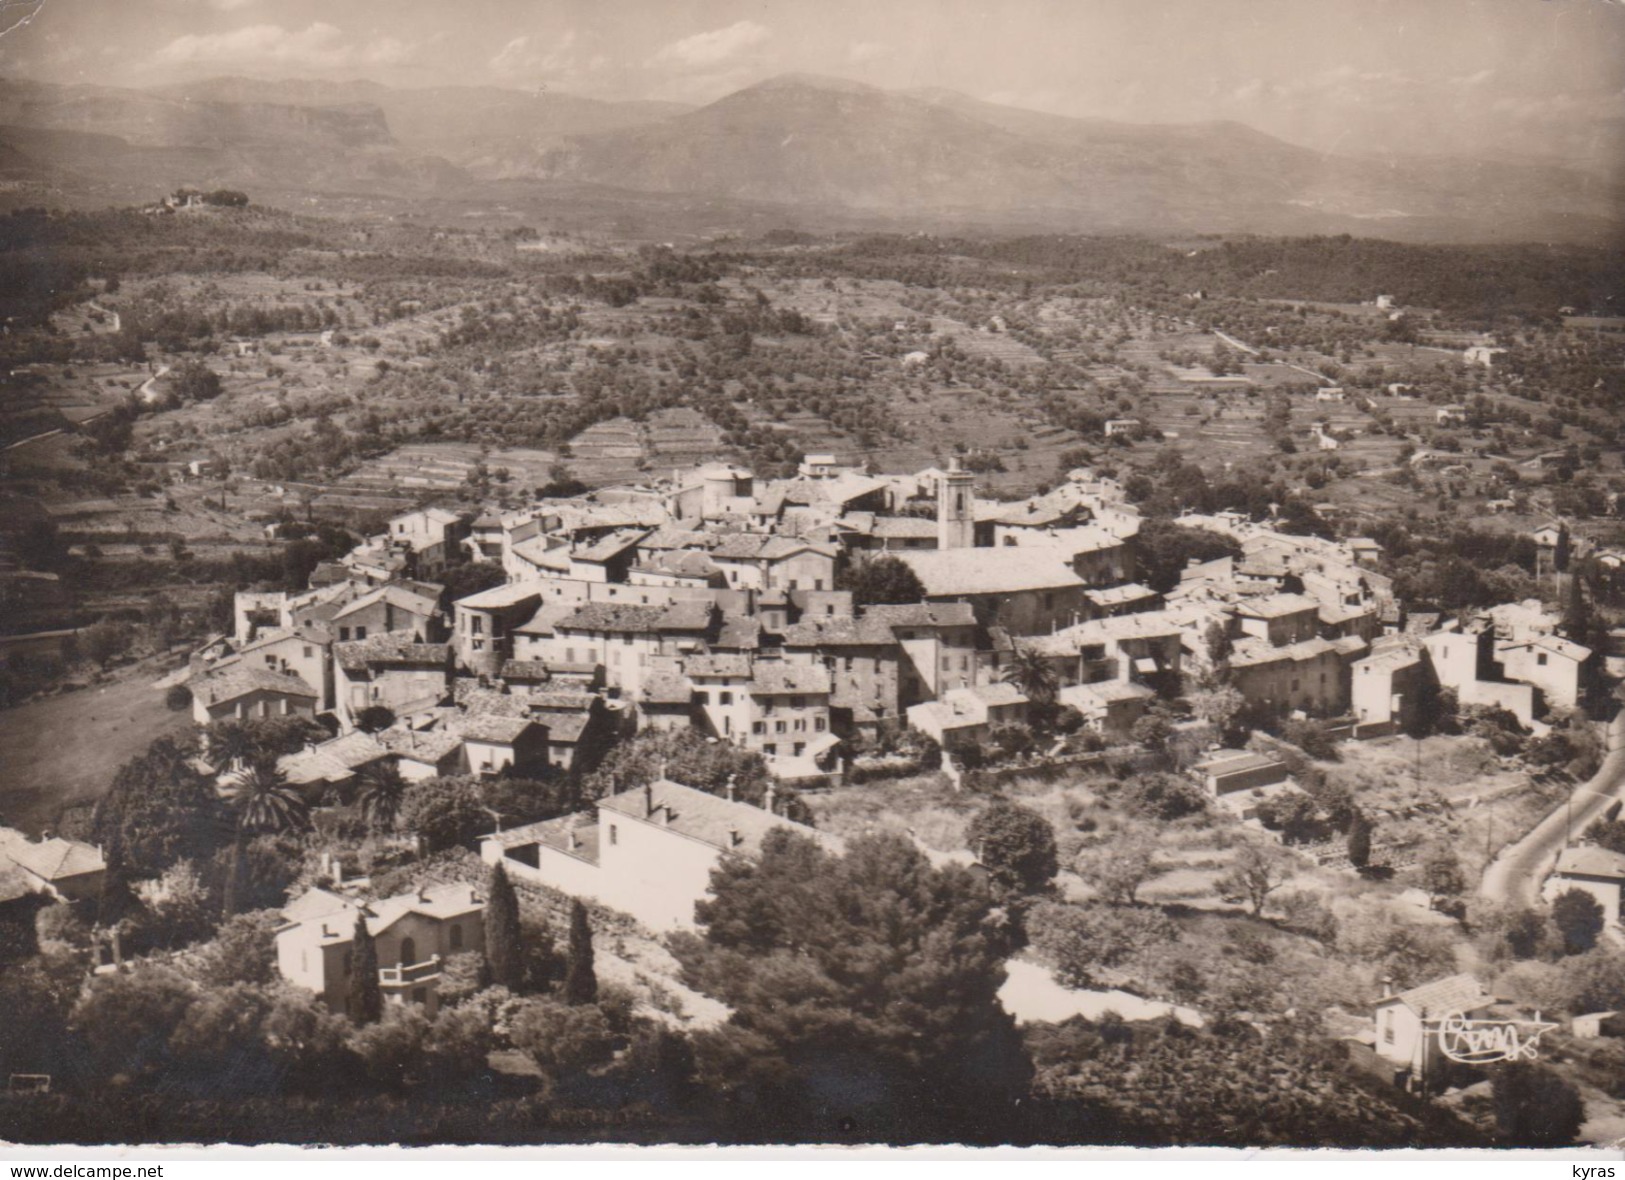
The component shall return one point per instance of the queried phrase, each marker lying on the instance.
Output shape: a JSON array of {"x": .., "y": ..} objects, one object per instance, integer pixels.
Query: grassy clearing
[{"x": 64, "y": 751}]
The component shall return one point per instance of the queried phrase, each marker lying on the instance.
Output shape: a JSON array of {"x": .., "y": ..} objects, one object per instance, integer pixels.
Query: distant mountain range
[{"x": 808, "y": 145}]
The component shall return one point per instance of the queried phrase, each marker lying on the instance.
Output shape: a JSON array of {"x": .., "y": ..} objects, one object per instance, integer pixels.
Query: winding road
[{"x": 1515, "y": 875}]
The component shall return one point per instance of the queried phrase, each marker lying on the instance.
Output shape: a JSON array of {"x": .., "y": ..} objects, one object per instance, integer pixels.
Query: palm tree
[
  {"x": 265, "y": 801},
  {"x": 1033, "y": 674},
  {"x": 382, "y": 791}
]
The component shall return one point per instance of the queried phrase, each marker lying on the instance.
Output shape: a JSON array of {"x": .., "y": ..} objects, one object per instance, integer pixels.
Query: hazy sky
[{"x": 1355, "y": 74}]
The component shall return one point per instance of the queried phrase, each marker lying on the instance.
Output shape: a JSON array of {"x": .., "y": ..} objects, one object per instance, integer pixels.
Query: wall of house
[
  {"x": 259, "y": 703},
  {"x": 554, "y": 868},
  {"x": 802, "y": 571},
  {"x": 651, "y": 872},
  {"x": 861, "y": 678},
  {"x": 310, "y": 661},
  {"x": 1399, "y": 1034},
  {"x": 725, "y": 706},
  {"x": 1556, "y": 676},
  {"x": 1606, "y": 893},
  {"x": 393, "y": 688},
  {"x": 779, "y": 724},
  {"x": 383, "y": 618},
  {"x": 1316, "y": 683}
]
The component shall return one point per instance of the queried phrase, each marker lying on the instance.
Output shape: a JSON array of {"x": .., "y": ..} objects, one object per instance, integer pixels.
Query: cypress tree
[
  {"x": 1359, "y": 841},
  {"x": 117, "y": 900},
  {"x": 580, "y": 981},
  {"x": 365, "y": 996},
  {"x": 504, "y": 941},
  {"x": 233, "y": 894}
]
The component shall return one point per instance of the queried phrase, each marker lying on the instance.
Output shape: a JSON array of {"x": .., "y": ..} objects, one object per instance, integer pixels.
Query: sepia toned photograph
[{"x": 996, "y": 573}]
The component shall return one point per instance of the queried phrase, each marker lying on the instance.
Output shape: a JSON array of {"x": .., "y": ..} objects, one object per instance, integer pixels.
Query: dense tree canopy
[{"x": 864, "y": 986}]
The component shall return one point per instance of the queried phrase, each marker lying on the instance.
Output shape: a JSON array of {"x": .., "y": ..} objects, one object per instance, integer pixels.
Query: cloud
[
  {"x": 864, "y": 51},
  {"x": 229, "y": 5},
  {"x": 709, "y": 49},
  {"x": 568, "y": 59},
  {"x": 321, "y": 45}
]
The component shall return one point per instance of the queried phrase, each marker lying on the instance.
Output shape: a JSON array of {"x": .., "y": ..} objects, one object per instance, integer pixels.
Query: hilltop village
[{"x": 491, "y": 687}]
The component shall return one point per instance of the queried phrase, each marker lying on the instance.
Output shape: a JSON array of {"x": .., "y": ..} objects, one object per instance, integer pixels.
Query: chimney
[
  {"x": 733, "y": 838},
  {"x": 423, "y": 893},
  {"x": 731, "y": 787},
  {"x": 768, "y": 798},
  {"x": 1387, "y": 986},
  {"x": 665, "y": 815},
  {"x": 648, "y": 801}
]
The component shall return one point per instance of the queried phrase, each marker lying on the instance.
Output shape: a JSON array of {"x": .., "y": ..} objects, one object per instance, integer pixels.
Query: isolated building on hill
[
  {"x": 414, "y": 934},
  {"x": 1406, "y": 1025},
  {"x": 647, "y": 852},
  {"x": 1597, "y": 871}
]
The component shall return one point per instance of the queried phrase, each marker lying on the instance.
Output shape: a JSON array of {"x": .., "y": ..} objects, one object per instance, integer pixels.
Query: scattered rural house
[
  {"x": 1405, "y": 1027},
  {"x": 1596, "y": 871},
  {"x": 1241, "y": 780},
  {"x": 67, "y": 870},
  {"x": 414, "y": 934}
]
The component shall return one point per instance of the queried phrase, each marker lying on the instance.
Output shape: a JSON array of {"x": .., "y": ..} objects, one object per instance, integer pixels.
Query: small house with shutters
[
  {"x": 414, "y": 934},
  {"x": 1406, "y": 1025}
]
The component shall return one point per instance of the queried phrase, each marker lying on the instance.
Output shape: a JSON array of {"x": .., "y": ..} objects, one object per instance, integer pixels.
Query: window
[
  {"x": 801, "y": 748},
  {"x": 704, "y": 694},
  {"x": 569, "y": 655},
  {"x": 849, "y": 662},
  {"x": 725, "y": 698},
  {"x": 1541, "y": 659},
  {"x": 758, "y": 728},
  {"x": 798, "y": 702},
  {"x": 344, "y": 634},
  {"x": 627, "y": 640},
  {"x": 476, "y": 624},
  {"x": 1388, "y": 1026},
  {"x": 614, "y": 834},
  {"x": 409, "y": 952},
  {"x": 307, "y": 651},
  {"x": 801, "y": 725},
  {"x": 456, "y": 936},
  {"x": 420, "y": 995},
  {"x": 270, "y": 661},
  {"x": 779, "y": 727},
  {"x": 360, "y": 632},
  {"x": 818, "y": 583},
  {"x": 771, "y": 749},
  {"x": 818, "y": 722}
]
